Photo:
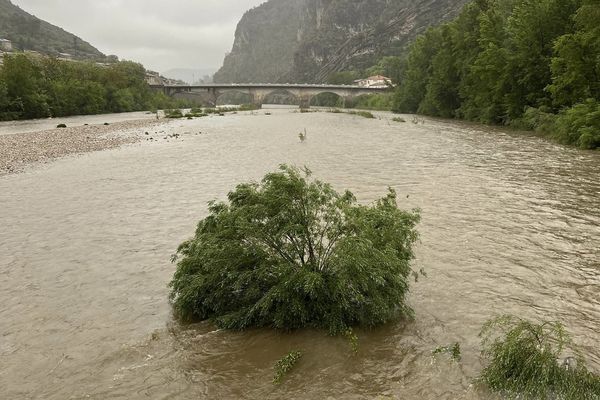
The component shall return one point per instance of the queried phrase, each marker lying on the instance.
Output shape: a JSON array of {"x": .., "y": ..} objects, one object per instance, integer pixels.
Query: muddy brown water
[{"x": 511, "y": 224}]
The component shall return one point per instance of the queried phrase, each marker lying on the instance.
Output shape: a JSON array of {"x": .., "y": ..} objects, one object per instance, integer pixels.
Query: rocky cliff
[
  {"x": 307, "y": 40},
  {"x": 28, "y": 32}
]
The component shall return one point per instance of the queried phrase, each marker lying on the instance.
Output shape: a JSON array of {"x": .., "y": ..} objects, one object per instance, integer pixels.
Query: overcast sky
[{"x": 161, "y": 34}]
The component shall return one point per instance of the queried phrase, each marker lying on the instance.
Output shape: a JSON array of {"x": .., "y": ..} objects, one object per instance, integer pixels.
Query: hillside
[
  {"x": 307, "y": 40},
  {"x": 28, "y": 32}
]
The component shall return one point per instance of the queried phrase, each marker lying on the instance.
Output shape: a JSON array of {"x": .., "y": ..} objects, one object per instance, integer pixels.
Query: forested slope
[{"x": 527, "y": 63}]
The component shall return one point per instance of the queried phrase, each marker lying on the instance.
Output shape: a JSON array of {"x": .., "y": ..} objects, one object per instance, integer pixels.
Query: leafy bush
[
  {"x": 580, "y": 125},
  {"x": 524, "y": 361},
  {"x": 537, "y": 120},
  {"x": 453, "y": 351},
  {"x": 364, "y": 114},
  {"x": 175, "y": 114},
  {"x": 285, "y": 365},
  {"x": 291, "y": 252}
]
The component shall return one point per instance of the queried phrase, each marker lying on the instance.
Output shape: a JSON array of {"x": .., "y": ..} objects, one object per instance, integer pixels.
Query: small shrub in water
[
  {"x": 173, "y": 114},
  {"x": 453, "y": 351},
  {"x": 364, "y": 114},
  {"x": 285, "y": 365},
  {"x": 61, "y": 126},
  {"x": 291, "y": 252},
  {"x": 352, "y": 340},
  {"x": 248, "y": 107},
  {"x": 525, "y": 362},
  {"x": 398, "y": 119}
]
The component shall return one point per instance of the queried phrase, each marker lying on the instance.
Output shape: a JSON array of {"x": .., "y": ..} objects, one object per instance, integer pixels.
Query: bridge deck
[{"x": 270, "y": 86}]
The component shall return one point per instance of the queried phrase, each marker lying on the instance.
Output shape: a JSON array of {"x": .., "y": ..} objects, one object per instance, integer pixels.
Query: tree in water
[{"x": 291, "y": 252}]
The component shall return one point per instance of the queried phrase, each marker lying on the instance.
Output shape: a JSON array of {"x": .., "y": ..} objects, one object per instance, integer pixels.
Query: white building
[
  {"x": 5, "y": 45},
  {"x": 376, "y": 81}
]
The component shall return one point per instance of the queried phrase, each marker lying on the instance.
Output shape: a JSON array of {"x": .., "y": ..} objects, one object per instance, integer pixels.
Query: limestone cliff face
[{"x": 307, "y": 40}]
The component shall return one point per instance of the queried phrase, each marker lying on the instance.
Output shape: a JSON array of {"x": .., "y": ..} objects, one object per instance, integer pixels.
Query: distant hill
[
  {"x": 307, "y": 40},
  {"x": 28, "y": 32}
]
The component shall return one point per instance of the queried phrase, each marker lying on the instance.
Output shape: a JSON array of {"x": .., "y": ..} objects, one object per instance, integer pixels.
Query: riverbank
[{"x": 23, "y": 149}]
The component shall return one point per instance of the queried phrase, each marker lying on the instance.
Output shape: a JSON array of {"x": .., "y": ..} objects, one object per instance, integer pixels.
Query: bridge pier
[
  {"x": 256, "y": 97},
  {"x": 305, "y": 101}
]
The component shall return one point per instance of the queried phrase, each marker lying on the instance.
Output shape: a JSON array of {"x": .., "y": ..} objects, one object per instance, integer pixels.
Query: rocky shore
[{"x": 20, "y": 150}]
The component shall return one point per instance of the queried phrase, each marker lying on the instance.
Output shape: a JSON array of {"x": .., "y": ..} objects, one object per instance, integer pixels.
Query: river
[{"x": 511, "y": 224}]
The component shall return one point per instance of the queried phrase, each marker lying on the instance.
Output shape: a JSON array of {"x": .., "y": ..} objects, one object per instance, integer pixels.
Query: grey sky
[{"x": 161, "y": 34}]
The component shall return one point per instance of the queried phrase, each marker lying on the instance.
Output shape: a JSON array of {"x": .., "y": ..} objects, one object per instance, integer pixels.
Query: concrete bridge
[{"x": 210, "y": 93}]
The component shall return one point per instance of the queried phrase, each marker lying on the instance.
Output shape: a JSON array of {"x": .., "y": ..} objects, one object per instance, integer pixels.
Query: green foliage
[
  {"x": 37, "y": 87},
  {"x": 537, "y": 120},
  {"x": 580, "y": 125},
  {"x": 453, "y": 351},
  {"x": 500, "y": 59},
  {"x": 285, "y": 365},
  {"x": 398, "y": 119},
  {"x": 352, "y": 340},
  {"x": 291, "y": 252},
  {"x": 174, "y": 114},
  {"x": 364, "y": 114},
  {"x": 381, "y": 102},
  {"x": 248, "y": 107},
  {"x": 524, "y": 362}
]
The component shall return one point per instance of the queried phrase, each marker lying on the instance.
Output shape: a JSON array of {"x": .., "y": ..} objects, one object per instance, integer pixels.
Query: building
[
  {"x": 5, "y": 45},
  {"x": 153, "y": 78},
  {"x": 376, "y": 81}
]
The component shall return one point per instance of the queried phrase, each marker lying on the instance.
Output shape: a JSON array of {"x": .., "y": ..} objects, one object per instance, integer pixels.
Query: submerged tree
[
  {"x": 291, "y": 252},
  {"x": 535, "y": 361}
]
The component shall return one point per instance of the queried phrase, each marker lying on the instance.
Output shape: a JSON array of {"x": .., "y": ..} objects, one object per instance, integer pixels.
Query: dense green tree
[
  {"x": 442, "y": 91},
  {"x": 511, "y": 62},
  {"x": 486, "y": 80},
  {"x": 24, "y": 83},
  {"x": 416, "y": 77},
  {"x": 291, "y": 252},
  {"x": 36, "y": 87},
  {"x": 532, "y": 30},
  {"x": 576, "y": 64}
]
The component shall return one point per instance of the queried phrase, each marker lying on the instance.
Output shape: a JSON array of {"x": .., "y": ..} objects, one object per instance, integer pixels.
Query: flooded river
[{"x": 511, "y": 224}]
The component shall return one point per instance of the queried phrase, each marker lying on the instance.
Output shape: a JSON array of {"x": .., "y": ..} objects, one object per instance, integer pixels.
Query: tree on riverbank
[
  {"x": 39, "y": 87},
  {"x": 505, "y": 61},
  {"x": 290, "y": 252}
]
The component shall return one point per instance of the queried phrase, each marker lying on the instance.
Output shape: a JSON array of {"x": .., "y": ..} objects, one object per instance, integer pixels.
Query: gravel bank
[{"x": 20, "y": 150}]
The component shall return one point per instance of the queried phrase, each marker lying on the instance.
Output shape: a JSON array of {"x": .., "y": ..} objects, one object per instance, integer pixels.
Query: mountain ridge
[
  {"x": 28, "y": 32},
  {"x": 307, "y": 40}
]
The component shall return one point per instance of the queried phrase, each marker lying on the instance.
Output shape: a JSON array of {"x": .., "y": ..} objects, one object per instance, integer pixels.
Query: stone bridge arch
[{"x": 210, "y": 93}]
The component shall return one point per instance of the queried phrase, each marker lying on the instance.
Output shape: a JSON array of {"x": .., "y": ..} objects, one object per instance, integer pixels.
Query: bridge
[{"x": 210, "y": 93}]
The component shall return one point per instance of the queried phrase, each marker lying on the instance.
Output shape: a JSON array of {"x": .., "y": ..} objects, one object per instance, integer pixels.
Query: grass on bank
[{"x": 203, "y": 112}]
